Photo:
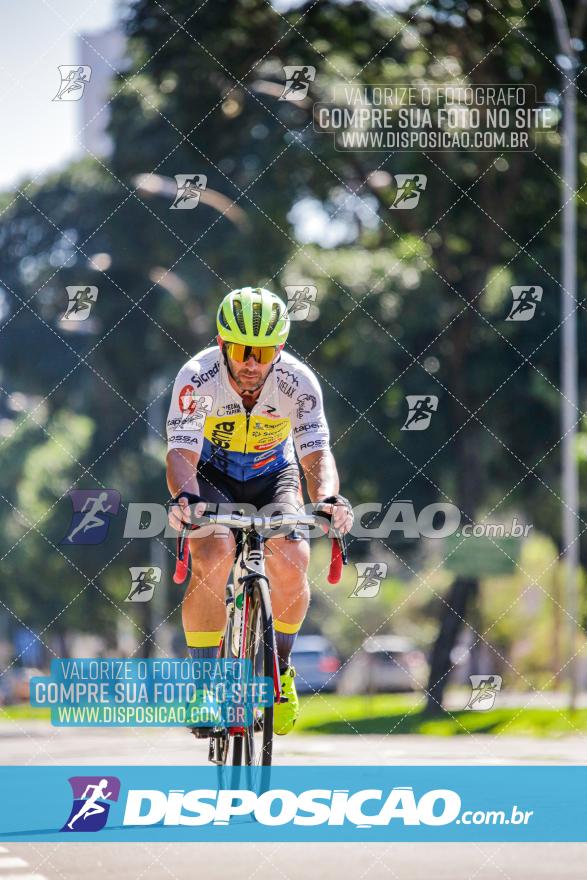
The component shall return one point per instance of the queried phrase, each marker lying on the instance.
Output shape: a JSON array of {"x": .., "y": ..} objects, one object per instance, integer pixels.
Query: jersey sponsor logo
[
  {"x": 200, "y": 378},
  {"x": 221, "y": 434},
  {"x": 187, "y": 421},
  {"x": 230, "y": 409},
  {"x": 268, "y": 433},
  {"x": 190, "y": 402},
  {"x": 270, "y": 412},
  {"x": 314, "y": 444},
  {"x": 238, "y": 435},
  {"x": 286, "y": 389},
  {"x": 310, "y": 426},
  {"x": 288, "y": 382},
  {"x": 306, "y": 403},
  {"x": 184, "y": 438},
  {"x": 186, "y": 399},
  {"x": 260, "y": 464},
  {"x": 261, "y": 457},
  {"x": 287, "y": 374}
]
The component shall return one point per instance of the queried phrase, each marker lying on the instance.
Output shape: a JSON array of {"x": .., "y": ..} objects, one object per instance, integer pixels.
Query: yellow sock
[{"x": 203, "y": 645}]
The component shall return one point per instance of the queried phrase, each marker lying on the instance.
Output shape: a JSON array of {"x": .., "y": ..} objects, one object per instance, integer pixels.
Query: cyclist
[{"x": 238, "y": 412}]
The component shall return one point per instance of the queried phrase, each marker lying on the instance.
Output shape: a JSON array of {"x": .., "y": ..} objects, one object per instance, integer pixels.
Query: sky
[{"x": 36, "y": 36}]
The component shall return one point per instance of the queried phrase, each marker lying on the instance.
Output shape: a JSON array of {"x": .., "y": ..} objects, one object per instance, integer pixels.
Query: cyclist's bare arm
[
  {"x": 321, "y": 474},
  {"x": 322, "y": 481},
  {"x": 182, "y": 467}
]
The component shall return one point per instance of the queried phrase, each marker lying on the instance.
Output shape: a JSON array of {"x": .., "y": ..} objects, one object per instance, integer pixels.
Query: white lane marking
[
  {"x": 16, "y": 862},
  {"x": 23, "y": 876}
]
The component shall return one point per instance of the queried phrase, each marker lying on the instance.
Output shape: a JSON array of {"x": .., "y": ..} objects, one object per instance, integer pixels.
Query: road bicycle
[{"x": 249, "y": 633}]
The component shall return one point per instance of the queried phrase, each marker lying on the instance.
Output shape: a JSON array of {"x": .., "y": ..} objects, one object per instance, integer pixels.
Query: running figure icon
[
  {"x": 74, "y": 79},
  {"x": 409, "y": 189},
  {"x": 484, "y": 689},
  {"x": 81, "y": 300},
  {"x": 144, "y": 581},
  {"x": 421, "y": 408},
  {"x": 90, "y": 806},
  {"x": 525, "y": 300},
  {"x": 297, "y": 82},
  {"x": 91, "y": 520}
]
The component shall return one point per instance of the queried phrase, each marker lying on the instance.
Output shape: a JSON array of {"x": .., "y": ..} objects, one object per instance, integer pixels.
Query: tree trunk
[{"x": 461, "y": 594}]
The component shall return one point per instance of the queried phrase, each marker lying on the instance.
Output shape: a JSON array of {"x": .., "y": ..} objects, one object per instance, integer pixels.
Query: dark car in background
[{"x": 316, "y": 663}]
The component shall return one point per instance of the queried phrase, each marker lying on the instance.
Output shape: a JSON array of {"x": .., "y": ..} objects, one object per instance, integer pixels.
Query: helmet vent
[
  {"x": 257, "y": 308},
  {"x": 273, "y": 320},
  {"x": 238, "y": 315}
]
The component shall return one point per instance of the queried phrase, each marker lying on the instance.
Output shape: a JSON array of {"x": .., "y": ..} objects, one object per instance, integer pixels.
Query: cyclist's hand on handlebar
[
  {"x": 341, "y": 512},
  {"x": 184, "y": 509}
]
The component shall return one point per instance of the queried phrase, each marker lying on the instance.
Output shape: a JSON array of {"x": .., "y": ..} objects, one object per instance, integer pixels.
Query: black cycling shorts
[{"x": 280, "y": 491}]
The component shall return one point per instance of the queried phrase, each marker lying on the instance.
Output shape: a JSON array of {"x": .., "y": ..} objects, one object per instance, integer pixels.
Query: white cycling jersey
[{"x": 207, "y": 416}]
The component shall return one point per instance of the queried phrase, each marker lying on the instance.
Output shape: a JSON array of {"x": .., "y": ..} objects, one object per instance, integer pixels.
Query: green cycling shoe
[{"x": 285, "y": 712}]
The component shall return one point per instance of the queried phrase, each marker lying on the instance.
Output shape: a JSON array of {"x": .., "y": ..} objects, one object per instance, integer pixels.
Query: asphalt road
[{"x": 34, "y": 743}]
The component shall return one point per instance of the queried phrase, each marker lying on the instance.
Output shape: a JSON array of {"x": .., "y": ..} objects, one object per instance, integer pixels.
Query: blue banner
[{"x": 329, "y": 804}]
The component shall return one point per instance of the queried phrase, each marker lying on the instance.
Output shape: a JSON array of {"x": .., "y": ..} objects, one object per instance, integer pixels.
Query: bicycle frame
[{"x": 254, "y": 563}]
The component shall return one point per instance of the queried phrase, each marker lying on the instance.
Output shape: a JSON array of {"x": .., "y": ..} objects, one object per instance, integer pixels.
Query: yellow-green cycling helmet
[{"x": 253, "y": 316}]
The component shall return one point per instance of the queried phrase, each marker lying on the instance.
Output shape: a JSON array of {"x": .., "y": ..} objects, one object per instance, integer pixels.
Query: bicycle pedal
[{"x": 202, "y": 732}]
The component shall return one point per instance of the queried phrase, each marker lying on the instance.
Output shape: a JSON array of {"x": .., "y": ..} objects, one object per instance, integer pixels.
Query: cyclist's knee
[
  {"x": 288, "y": 563},
  {"x": 212, "y": 557},
  {"x": 212, "y": 547}
]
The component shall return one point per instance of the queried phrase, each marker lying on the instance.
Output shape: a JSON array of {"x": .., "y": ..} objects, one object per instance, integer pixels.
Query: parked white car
[{"x": 384, "y": 663}]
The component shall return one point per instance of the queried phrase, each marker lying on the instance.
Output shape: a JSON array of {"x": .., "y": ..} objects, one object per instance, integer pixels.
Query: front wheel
[{"x": 260, "y": 650}]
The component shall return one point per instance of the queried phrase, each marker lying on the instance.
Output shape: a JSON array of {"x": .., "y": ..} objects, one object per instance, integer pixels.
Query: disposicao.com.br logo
[{"x": 274, "y": 807}]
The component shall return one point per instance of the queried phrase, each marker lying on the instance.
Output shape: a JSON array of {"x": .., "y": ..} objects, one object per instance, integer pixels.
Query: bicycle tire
[
  {"x": 220, "y": 749},
  {"x": 260, "y": 649}
]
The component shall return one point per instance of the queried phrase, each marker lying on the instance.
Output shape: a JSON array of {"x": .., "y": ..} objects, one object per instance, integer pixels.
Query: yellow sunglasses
[{"x": 263, "y": 354}]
